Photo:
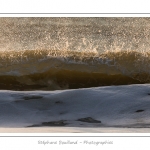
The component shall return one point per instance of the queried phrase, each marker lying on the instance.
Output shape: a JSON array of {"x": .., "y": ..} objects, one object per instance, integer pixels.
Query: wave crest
[{"x": 64, "y": 68}]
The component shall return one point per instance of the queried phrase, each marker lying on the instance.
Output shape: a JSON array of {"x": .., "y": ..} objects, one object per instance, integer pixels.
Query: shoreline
[{"x": 74, "y": 130}]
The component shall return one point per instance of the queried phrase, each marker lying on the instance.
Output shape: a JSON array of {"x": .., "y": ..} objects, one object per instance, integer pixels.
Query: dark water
[
  {"x": 67, "y": 53},
  {"x": 51, "y": 70}
]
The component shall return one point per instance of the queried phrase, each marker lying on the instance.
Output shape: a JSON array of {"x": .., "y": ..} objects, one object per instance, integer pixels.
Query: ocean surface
[{"x": 71, "y": 53}]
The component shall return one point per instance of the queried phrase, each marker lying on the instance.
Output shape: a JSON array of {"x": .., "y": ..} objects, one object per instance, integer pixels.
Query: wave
[{"x": 55, "y": 69}]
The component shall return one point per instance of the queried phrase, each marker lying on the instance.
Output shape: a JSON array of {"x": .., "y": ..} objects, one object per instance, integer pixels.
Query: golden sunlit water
[{"x": 64, "y": 53}]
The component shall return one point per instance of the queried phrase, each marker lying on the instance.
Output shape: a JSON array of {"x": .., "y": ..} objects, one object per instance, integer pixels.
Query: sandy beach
[{"x": 74, "y": 130}]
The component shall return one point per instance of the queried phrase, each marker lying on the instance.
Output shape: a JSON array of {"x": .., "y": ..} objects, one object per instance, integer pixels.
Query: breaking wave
[{"x": 55, "y": 69}]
